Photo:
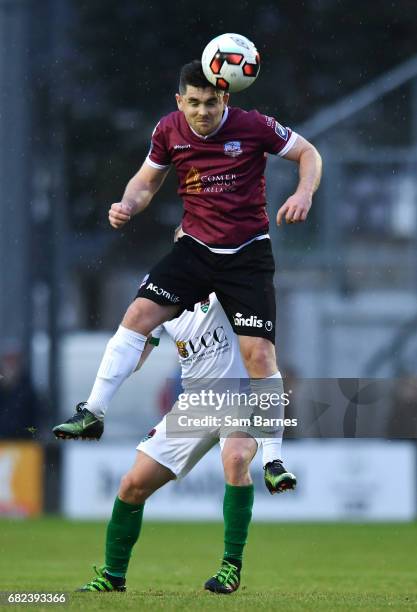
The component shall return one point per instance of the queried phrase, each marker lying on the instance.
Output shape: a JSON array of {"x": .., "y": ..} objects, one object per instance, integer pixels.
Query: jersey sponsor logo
[
  {"x": 182, "y": 147},
  {"x": 269, "y": 325},
  {"x": 252, "y": 321},
  {"x": 209, "y": 340},
  {"x": 163, "y": 292},
  {"x": 219, "y": 183},
  {"x": 193, "y": 181},
  {"x": 281, "y": 130},
  {"x": 205, "y": 305},
  {"x": 233, "y": 148},
  {"x": 270, "y": 121}
]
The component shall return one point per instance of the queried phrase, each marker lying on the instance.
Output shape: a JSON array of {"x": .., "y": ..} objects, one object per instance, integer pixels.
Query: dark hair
[{"x": 192, "y": 74}]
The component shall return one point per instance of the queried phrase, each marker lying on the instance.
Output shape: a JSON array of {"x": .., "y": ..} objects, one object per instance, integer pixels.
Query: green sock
[
  {"x": 122, "y": 534},
  {"x": 237, "y": 513}
]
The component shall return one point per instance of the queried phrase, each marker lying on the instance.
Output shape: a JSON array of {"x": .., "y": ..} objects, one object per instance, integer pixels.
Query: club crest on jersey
[
  {"x": 233, "y": 148},
  {"x": 281, "y": 130},
  {"x": 182, "y": 348},
  {"x": 205, "y": 305}
]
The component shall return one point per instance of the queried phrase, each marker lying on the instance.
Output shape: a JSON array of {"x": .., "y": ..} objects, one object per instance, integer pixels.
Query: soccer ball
[{"x": 231, "y": 62}]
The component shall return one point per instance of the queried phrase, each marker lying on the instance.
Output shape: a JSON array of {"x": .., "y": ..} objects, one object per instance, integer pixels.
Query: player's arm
[
  {"x": 296, "y": 208},
  {"x": 139, "y": 192}
]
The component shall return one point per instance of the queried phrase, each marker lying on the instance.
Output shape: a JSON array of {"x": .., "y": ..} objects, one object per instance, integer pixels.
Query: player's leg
[
  {"x": 162, "y": 456},
  {"x": 247, "y": 293},
  {"x": 259, "y": 357},
  {"x": 124, "y": 350},
  {"x": 121, "y": 356},
  {"x": 276, "y": 477},
  {"x": 165, "y": 292},
  {"x": 237, "y": 453},
  {"x": 123, "y": 529}
]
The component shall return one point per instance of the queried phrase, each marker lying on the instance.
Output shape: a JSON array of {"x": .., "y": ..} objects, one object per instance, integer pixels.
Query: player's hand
[
  {"x": 295, "y": 209},
  {"x": 119, "y": 215}
]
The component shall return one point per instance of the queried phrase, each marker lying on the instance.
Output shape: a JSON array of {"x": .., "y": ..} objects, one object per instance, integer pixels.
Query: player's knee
[
  {"x": 132, "y": 489},
  {"x": 236, "y": 469},
  {"x": 139, "y": 317},
  {"x": 144, "y": 315},
  {"x": 136, "y": 311},
  {"x": 236, "y": 461},
  {"x": 255, "y": 359},
  {"x": 259, "y": 359}
]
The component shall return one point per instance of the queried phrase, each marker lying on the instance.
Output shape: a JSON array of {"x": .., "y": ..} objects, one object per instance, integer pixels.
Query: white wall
[{"x": 366, "y": 480}]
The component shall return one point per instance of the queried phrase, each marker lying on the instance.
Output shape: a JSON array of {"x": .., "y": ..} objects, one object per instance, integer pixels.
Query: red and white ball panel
[{"x": 231, "y": 62}]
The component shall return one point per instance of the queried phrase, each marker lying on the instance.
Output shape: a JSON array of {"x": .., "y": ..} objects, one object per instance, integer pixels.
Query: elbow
[
  {"x": 318, "y": 158},
  {"x": 311, "y": 150}
]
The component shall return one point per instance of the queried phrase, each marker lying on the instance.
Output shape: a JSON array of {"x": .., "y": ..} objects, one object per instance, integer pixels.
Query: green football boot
[
  {"x": 104, "y": 583},
  {"x": 227, "y": 579},
  {"x": 277, "y": 479},
  {"x": 84, "y": 424}
]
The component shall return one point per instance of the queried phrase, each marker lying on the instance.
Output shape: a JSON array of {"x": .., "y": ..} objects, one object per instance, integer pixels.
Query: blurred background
[{"x": 82, "y": 85}]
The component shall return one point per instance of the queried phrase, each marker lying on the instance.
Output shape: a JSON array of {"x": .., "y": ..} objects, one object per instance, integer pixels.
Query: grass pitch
[{"x": 287, "y": 566}]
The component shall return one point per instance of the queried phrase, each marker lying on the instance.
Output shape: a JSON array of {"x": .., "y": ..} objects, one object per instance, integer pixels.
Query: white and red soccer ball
[{"x": 231, "y": 62}]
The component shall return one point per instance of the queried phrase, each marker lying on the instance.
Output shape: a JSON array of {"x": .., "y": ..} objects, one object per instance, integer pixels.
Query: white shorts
[{"x": 181, "y": 454}]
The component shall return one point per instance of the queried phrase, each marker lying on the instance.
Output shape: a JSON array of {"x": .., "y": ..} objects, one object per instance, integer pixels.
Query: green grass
[{"x": 287, "y": 566}]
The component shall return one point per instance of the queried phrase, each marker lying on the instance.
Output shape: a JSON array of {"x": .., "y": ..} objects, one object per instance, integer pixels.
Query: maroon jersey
[{"x": 221, "y": 176}]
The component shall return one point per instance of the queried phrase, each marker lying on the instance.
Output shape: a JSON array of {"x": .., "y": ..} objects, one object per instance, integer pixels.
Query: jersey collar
[{"x": 218, "y": 128}]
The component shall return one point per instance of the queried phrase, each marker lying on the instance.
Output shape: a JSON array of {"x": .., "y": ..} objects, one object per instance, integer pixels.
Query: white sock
[
  {"x": 119, "y": 361},
  {"x": 271, "y": 445},
  {"x": 271, "y": 449}
]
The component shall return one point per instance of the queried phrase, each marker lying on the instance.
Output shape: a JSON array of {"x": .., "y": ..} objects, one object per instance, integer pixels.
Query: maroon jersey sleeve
[
  {"x": 158, "y": 156},
  {"x": 275, "y": 138}
]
